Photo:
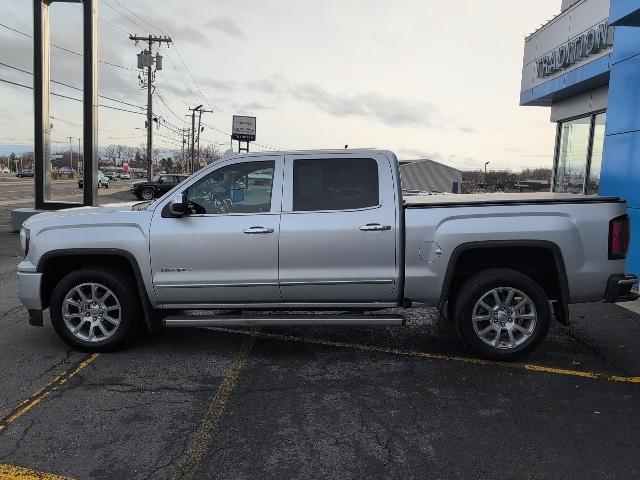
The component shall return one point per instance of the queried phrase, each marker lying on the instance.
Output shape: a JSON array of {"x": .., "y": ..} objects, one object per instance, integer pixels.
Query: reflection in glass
[
  {"x": 596, "y": 155},
  {"x": 572, "y": 156}
]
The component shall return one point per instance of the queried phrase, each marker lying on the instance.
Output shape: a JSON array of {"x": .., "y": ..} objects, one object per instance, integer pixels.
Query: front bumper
[
  {"x": 29, "y": 289},
  {"x": 619, "y": 288}
]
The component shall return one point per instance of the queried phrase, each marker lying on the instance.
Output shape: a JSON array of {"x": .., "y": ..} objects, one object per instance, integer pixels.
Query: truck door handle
[
  {"x": 257, "y": 230},
  {"x": 374, "y": 227}
]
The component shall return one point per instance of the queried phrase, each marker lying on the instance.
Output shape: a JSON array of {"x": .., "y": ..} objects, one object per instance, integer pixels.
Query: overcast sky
[{"x": 425, "y": 78}]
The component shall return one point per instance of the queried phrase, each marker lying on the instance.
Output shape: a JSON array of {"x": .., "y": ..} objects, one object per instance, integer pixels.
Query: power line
[
  {"x": 72, "y": 86},
  {"x": 71, "y": 98},
  {"x": 163, "y": 33},
  {"x": 67, "y": 50},
  {"x": 168, "y": 108}
]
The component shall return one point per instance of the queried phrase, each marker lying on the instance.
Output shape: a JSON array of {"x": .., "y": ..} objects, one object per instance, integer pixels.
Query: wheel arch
[
  {"x": 55, "y": 264},
  {"x": 464, "y": 259}
]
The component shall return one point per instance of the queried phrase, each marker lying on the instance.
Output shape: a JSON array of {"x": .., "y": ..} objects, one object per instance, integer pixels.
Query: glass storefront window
[
  {"x": 572, "y": 156},
  {"x": 596, "y": 154},
  {"x": 572, "y": 163}
]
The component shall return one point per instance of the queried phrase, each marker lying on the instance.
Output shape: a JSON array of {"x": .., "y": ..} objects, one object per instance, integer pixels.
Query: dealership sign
[
  {"x": 589, "y": 43},
  {"x": 243, "y": 128}
]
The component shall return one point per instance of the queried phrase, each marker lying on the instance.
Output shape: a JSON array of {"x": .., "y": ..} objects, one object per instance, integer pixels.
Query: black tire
[
  {"x": 125, "y": 291},
  {"x": 476, "y": 288},
  {"x": 147, "y": 194}
]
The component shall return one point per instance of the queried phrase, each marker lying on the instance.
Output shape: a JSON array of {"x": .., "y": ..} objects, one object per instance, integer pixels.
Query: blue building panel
[
  {"x": 620, "y": 174},
  {"x": 633, "y": 260},
  {"x": 624, "y": 12},
  {"x": 585, "y": 77},
  {"x": 626, "y": 44},
  {"x": 623, "y": 111}
]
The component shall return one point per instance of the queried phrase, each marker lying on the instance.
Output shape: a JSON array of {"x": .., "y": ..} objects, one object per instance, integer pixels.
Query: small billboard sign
[{"x": 243, "y": 128}]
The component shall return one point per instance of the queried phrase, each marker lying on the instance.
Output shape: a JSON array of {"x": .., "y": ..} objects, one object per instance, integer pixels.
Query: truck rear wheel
[
  {"x": 502, "y": 314},
  {"x": 95, "y": 310}
]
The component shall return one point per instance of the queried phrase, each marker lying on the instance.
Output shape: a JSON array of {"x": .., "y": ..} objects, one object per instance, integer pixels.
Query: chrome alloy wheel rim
[
  {"x": 504, "y": 318},
  {"x": 91, "y": 312},
  {"x": 147, "y": 194}
]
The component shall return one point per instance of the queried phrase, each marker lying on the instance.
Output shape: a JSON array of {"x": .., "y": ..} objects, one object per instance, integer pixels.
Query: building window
[
  {"x": 579, "y": 155},
  {"x": 596, "y": 153}
]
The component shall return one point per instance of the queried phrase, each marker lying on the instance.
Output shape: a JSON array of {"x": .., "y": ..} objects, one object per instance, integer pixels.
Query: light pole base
[{"x": 19, "y": 215}]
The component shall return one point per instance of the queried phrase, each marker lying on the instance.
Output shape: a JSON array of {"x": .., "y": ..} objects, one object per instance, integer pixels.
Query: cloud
[
  {"x": 390, "y": 110},
  {"x": 226, "y": 86},
  {"x": 225, "y": 25}
]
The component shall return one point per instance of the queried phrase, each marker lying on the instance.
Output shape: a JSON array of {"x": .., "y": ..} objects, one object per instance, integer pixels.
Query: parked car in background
[
  {"x": 113, "y": 176},
  {"x": 160, "y": 185},
  {"x": 103, "y": 180},
  {"x": 323, "y": 231},
  {"x": 125, "y": 176},
  {"x": 25, "y": 173}
]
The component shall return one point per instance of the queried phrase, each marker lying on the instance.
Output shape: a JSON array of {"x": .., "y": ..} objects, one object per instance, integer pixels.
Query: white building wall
[
  {"x": 572, "y": 22},
  {"x": 580, "y": 105}
]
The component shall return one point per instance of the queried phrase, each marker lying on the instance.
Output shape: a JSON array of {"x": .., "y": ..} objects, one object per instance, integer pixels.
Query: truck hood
[{"x": 108, "y": 213}]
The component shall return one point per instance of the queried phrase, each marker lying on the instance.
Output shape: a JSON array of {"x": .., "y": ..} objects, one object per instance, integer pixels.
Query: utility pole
[
  {"x": 71, "y": 153},
  {"x": 193, "y": 136},
  {"x": 200, "y": 112},
  {"x": 146, "y": 60},
  {"x": 78, "y": 162},
  {"x": 182, "y": 156}
]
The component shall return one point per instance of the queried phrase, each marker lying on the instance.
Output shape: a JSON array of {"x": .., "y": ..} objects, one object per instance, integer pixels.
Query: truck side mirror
[{"x": 178, "y": 205}]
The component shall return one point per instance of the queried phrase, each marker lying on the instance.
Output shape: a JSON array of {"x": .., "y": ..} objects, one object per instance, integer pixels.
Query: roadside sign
[{"x": 243, "y": 128}]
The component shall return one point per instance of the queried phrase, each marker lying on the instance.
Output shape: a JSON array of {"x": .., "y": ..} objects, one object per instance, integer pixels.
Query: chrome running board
[{"x": 201, "y": 320}]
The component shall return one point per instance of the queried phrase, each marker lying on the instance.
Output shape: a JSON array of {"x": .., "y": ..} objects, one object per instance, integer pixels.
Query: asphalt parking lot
[{"x": 318, "y": 402}]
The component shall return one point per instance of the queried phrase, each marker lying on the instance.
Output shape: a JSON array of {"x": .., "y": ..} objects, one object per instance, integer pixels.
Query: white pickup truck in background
[{"x": 273, "y": 234}]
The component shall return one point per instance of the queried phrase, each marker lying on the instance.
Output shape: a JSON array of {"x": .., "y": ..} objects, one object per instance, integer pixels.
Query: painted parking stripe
[
  {"x": 30, "y": 402},
  {"x": 431, "y": 356},
  {"x": 189, "y": 463},
  {"x": 13, "y": 472}
]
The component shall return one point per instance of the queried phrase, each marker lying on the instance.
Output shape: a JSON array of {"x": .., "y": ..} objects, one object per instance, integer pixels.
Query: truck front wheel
[
  {"x": 95, "y": 310},
  {"x": 502, "y": 314}
]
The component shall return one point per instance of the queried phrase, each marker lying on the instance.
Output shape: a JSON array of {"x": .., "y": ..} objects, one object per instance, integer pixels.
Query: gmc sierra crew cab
[{"x": 275, "y": 236}]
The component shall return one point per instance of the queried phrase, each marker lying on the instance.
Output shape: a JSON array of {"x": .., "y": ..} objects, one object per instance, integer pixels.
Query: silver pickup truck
[{"x": 266, "y": 238}]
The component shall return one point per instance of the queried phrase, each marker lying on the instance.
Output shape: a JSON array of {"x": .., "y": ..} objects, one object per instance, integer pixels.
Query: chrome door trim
[
  {"x": 340, "y": 282},
  {"x": 216, "y": 285}
]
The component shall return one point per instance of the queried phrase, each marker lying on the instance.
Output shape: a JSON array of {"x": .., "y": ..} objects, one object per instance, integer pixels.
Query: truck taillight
[{"x": 618, "y": 237}]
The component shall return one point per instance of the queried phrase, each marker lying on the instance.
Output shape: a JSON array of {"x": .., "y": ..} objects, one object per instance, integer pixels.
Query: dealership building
[{"x": 585, "y": 65}]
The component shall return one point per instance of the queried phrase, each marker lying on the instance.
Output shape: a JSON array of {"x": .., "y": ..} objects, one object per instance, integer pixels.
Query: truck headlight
[{"x": 24, "y": 240}]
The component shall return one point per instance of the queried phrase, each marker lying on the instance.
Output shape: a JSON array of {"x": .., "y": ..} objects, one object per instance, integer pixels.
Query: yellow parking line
[
  {"x": 12, "y": 472},
  {"x": 431, "y": 356},
  {"x": 30, "y": 402},
  {"x": 194, "y": 455}
]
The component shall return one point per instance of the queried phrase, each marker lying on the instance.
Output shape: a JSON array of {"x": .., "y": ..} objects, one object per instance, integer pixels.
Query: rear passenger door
[{"x": 338, "y": 230}]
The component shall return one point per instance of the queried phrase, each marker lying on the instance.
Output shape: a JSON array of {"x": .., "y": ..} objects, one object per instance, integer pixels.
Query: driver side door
[{"x": 224, "y": 251}]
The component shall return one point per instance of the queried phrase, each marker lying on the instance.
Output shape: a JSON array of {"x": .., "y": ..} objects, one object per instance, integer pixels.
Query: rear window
[{"x": 335, "y": 184}]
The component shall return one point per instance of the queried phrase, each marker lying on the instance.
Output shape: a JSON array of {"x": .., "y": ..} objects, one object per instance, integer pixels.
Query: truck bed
[{"x": 481, "y": 199}]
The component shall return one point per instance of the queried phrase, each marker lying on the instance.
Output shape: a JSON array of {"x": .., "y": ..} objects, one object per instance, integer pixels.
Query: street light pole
[{"x": 485, "y": 174}]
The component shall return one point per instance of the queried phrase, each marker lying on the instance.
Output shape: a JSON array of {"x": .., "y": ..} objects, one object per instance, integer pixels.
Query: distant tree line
[
  {"x": 166, "y": 160},
  {"x": 505, "y": 177}
]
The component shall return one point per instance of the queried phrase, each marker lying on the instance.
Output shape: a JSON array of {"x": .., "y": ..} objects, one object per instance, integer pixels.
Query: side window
[
  {"x": 335, "y": 184},
  {"x": 239, "y": 188},
  {"x": 164, "y": 179}
]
